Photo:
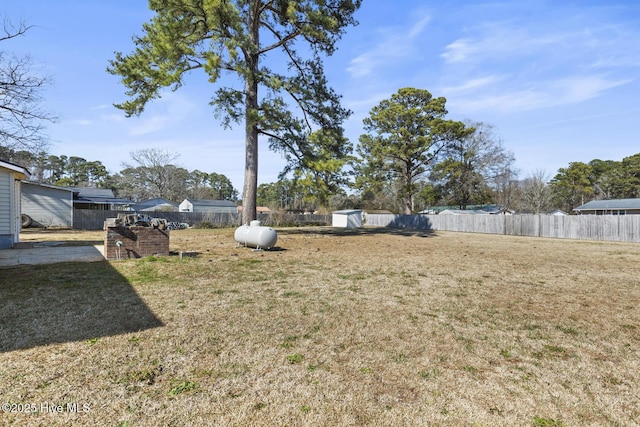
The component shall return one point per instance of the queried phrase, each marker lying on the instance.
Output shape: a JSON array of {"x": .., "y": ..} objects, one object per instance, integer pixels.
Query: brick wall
[{"x": 137, "y": 242}]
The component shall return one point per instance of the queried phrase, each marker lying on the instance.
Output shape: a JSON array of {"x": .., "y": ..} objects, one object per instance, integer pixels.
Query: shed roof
[
  {"x": 91, "y": 192},
  {"x": 606, "y": 205},
  {"x": 103, "y": 200},
  {"x": 557, "y": 212},
  {"x": 347, "y": 212},
  {"x": 98, "y": 196},
  {"x": 55, "y": 187},
  {"x": 466, "y": 212}
]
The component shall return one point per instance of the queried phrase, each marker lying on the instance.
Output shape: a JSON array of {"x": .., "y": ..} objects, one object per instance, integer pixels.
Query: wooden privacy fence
[
  {"x": 619, "y": 228},
  {"x": 85, "y": 219}
]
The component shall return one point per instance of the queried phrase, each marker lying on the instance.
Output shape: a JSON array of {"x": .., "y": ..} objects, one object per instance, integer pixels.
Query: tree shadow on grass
[
  {"x": 66, "y": 302},
  {"x": 364, "y": 231}
]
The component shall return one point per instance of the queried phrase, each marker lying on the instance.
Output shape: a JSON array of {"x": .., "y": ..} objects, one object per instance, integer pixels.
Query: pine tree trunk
[
  {"x": 251, "y": 168},
  {"x": 250, "y": 188}
]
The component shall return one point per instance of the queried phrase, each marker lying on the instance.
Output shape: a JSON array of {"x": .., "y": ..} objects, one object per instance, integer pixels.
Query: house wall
[
  {"x": 49, "y": 207},
  {"x": 16, "y": 219},
  {"x": 6, "y": 209},
  {"x": 215, "y": 209},
  {"x": 610, "y": 212}
]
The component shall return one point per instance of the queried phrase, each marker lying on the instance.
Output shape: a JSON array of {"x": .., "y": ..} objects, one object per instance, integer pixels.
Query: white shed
[
  {"x": 349, "y": 218},
  {"x": 10, "y": 177},
  {"x": 45, "y": 205},
  {"x": 208, "y": 205}
]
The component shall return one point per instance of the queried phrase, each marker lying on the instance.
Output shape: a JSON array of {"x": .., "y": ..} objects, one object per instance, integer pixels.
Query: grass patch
[
  {"x": 295, "y": 358},
  {"x": 181, "y": 386},
  {"x": 351, "y": 328},
  {"x": 546, "y": 422}
]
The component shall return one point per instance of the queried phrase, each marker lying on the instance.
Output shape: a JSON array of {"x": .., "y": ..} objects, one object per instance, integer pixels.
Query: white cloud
[
  {"x": 584, "y": 88},
  {"x": 170, "y": 110},
  {"x": 102, "y": 107},
  {"x": 113, "y": 117},
  {"x": 537, "y": 62},
  {"x": 472, "y": 84},
  {"x": 542, "y": 94},
  {"x": 419, "y": 26},
  {"x": 503, "y": 42},
  {"x": 458, "y": 51},
  {"x": 393, "y": 45},
  {"x": 362, "y": 65},
  {"x": 149, "y": 125}
]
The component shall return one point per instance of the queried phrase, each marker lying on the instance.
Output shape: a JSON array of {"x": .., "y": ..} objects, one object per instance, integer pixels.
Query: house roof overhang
[{"x": 19, "y": 170}]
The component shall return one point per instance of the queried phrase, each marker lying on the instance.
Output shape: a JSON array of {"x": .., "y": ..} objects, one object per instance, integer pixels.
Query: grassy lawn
[{"x": 333, "y": 328}]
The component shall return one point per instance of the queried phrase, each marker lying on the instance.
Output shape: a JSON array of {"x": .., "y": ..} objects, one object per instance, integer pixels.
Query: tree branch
[{"x": 11, "y": 32}]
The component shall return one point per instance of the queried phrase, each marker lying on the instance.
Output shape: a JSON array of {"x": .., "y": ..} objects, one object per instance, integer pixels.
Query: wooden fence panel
[
  {"x": 624, "y": 228},
  {"x": 580, "y": 227}
]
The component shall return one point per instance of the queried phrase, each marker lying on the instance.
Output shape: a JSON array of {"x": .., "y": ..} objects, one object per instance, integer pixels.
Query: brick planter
[{"x": 137, "y": 242}]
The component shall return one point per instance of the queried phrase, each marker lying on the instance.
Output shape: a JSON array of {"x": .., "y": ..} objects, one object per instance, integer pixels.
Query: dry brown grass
[{"x": 368, "y": 327}]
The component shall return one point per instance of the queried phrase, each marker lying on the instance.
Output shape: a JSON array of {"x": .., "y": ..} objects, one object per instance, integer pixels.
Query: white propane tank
[{"x": 256, "y": 236}]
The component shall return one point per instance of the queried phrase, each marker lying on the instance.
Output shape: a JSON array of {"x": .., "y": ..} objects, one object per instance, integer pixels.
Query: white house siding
[
  {"x": 47, "y": 206},
  {"x": 215, "y": 209},
  {"x": 10, "y": 176},
  {"x": 9, "y": 209},
  {"x": 6, "y": 209}
]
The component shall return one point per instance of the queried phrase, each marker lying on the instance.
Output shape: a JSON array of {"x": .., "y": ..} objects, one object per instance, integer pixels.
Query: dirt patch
[{"x": 46, "y": 238}]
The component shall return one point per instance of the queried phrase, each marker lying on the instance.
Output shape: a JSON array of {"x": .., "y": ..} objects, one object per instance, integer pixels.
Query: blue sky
[{"x": 557, "y": 79}]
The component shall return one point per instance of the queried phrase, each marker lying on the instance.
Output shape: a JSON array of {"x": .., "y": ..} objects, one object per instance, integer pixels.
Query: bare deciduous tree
[
  {"x": 155, "y": 172},
  {"x": 535, "y": 193},
  {"x": 21, "y": 116}
]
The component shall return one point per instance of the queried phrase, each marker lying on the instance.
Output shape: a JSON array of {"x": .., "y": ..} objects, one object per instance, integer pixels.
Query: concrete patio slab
[{"x": 51, "y": 255}]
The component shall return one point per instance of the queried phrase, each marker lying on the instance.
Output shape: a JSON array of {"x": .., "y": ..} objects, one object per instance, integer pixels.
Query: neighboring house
[
  {"x": 348, "y": 218},
  {"x": 10, "y": 188},
  {"x": 45, "y": 205},
  {"x": 610, "y": 207},
  {"x": 155, "y": 205},
  {"x": 99, "y": 199},
  {"x": 385, "y": 212},
  {"x": 259, "y": 210},
  {"x": 461, "y": 212},
  {"x": 208, "y": 205},
  {"x": 558, "y": 212},
  {"x": 485, "y": 211}
]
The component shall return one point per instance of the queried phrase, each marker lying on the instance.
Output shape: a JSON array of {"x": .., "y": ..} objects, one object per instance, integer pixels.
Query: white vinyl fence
[{"x": 619, "y": 228}]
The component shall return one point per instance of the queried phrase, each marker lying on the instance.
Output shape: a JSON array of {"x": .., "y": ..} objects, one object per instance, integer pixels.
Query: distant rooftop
[
  {"x": 609, "y": 205},
  {"x": 212, "y": 202}
]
